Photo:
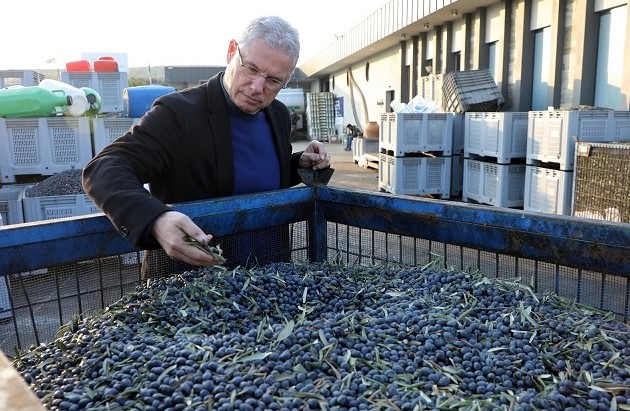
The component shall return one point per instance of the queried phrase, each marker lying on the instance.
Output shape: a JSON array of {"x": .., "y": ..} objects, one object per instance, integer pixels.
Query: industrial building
[{"x": 541, "y": 54}]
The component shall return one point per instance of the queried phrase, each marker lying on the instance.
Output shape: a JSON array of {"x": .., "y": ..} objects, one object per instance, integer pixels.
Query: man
[
  {"x": 226, "y": 137},
  {"x": 351, "y": 132}
]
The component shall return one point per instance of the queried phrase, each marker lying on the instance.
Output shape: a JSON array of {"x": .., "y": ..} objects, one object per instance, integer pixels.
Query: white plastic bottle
[{"x": 79, "y": 99}]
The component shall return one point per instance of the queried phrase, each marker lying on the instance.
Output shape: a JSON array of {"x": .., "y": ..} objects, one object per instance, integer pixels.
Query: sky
[{"x": 48, "y": 33}]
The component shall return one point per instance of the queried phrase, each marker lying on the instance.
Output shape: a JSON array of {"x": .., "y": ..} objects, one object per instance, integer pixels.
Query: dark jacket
[{"x": 183, "y": 148}]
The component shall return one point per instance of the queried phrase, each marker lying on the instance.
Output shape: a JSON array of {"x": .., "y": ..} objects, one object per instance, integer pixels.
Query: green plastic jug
[
  {"x": 32, "y": 101},
  {"x": 94, "y": 100}
]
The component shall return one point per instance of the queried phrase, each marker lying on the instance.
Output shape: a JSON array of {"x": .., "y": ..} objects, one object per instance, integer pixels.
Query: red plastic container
[
  {"x": 105, "y": 63},
  {"x": 80, "y": 65}
]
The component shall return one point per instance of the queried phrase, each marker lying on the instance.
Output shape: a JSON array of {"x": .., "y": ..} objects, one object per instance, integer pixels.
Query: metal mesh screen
[
  {"x": 354, "y": 245},
  {"x": 602, "y": 188},
  {"x": 35, "y": 304},
  {"x": 38, "y": 302}
]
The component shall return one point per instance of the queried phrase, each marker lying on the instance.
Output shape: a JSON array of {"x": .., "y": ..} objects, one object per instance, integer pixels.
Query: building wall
[
  {"x": 511, "y": 27},
  {"x": 373, "y": 78},
  {"x": 573, "y": 53}
]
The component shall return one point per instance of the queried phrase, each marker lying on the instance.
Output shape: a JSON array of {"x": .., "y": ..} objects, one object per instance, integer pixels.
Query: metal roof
[{"x": 385, "y": 28}]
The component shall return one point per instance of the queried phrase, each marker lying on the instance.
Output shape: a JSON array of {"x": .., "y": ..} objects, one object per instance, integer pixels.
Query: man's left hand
[{"x": 315, "y": 156}]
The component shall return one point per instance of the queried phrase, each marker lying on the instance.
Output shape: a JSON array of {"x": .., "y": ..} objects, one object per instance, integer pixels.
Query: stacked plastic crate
[
  {"x": 108, "y": 129},
  {"x": 494, "y": 158},
  {"x": 551, "y": 141},
  {"x": 470, "y": 91},
  {"x": 34, "y": 148},
  {"x": 457, "y": 160},
  {"x": 42, "y": 146},
  {"x": 105, "y": 79},
  {"x": 24, "y": 78},
  {"x": 37, "y": 148},
  {"x": 11, "y": 204},
  {"x": 104, "y": 131},
  {"x": 415, "y": 154},
  {"x": 431, "y": 88},
  {"x": 320, "y": 112},
  {"x": 51, "y": 207},
  {"x": 365, "y": 152}
]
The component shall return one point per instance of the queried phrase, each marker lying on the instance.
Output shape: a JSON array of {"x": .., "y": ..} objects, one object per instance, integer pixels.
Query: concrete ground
[{"x": 348, "y": 174}]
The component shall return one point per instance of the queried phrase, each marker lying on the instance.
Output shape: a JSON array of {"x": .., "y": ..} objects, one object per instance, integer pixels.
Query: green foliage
[{"x": 137, "y": 81}]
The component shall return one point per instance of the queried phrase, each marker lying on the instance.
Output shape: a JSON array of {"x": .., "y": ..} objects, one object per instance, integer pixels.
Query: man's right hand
[{"x": 167, "y": 230}]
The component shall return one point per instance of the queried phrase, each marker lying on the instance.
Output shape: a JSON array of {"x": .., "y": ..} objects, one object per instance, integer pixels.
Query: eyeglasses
[{"x": 253, "y": 73}]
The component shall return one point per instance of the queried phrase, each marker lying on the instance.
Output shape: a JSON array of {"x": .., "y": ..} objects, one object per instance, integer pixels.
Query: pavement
[{"x": 348, "y": 173}]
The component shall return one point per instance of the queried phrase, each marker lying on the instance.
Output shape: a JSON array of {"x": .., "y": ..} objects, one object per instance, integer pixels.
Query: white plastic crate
[
  {"x": 470, "y": 90},
  {"x": 11, "y": 204},
  {"x": 431, "y": 87},
  {"x": 415, "y": 175},
  {"x": 108, "y": 129},
  {"x": 499, "y": 185},
  {"x": 5, "y": 300},
  {"x": 405, "y": 133},
  {"x": 551, "y": 135},
  {"x": 621, "y": 126},
  {"x": 459, "y": 130},
  {"x": 548, "y": 190},
  {"x": 457, "y": 175},
  {"x": 108, "y": 84},
  {"x": 24, "y": 78},
  {"x": 61, "y": 206},
  {"x": 43, "y": 146},
  {"x": 361, "y": 146},
  {"x": 322, "y": 134},
  {"x": 502, "y": 136},
  {"x": 320, "y": 111}
]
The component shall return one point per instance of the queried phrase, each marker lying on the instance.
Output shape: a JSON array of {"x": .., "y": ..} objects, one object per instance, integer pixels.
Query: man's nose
[{"x": 258, "y": 84}]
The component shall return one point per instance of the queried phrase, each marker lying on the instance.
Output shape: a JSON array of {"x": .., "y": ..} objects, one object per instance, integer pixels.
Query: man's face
[{"x": 254, "y": 86}]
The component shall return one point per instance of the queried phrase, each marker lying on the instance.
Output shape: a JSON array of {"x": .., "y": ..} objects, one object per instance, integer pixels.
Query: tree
[{"x": 137, "y": 81}]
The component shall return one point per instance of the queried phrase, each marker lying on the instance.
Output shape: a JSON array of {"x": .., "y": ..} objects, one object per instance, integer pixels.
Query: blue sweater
[
  {"x": 256, "y": 166},
  {"x": 256, "y": 169}
]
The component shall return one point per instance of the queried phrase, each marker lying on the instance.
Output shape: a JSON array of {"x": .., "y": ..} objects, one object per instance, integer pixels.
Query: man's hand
[
  {"x": 168, "y": 231},
  {"x": 315, "y": 156}
]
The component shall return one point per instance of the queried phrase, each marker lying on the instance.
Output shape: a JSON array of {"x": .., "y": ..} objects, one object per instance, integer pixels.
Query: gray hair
[{"x": 276, "y": 32}]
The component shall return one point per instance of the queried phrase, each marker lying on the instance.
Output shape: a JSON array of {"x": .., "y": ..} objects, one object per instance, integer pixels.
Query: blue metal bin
[{"x": 59, "y": 269}]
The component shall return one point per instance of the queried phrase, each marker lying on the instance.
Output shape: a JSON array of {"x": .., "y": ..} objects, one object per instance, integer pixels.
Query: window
[
  {"x": 492, "y": 60},
  {"x": 540, "y": 79},
  {"x": 609, "y": 73},
  {"x": 457, "y": 61}
]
